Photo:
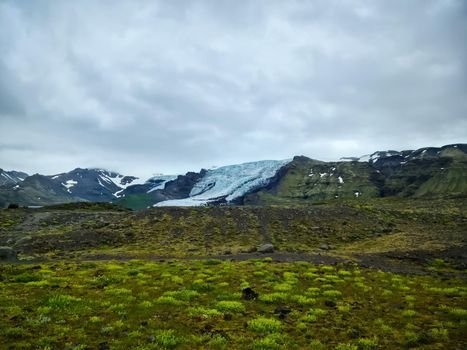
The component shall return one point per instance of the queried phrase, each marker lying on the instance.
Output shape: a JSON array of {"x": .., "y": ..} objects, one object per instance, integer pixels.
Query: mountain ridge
[{"x": 428, "y": 171}]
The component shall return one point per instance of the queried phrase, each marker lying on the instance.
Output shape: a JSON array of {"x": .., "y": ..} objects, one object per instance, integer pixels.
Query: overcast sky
[{"x": 146, "y": 87}]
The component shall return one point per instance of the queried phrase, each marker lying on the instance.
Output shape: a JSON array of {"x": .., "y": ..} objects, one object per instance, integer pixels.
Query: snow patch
[
  {"x": 69, "y": 184},
  {"x": 341, "y": 181},
  {"x": 161, "y": 185}
]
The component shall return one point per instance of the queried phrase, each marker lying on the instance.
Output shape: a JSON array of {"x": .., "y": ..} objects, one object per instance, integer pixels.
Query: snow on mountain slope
[
  {"x": 95, "y": 184},
  {"x": 11, "y": 177},
  {"x": 159, "y": 181},
  {"x": 229, "y": 182}
]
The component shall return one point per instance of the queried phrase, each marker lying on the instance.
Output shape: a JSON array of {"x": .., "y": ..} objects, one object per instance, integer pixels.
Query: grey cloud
[{"x": 171, "y": 86}]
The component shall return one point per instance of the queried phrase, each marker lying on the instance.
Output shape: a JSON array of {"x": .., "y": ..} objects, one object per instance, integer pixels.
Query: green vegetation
[
  {"x": 198, "y": 304},
  {"x": 97, "y": 276}
]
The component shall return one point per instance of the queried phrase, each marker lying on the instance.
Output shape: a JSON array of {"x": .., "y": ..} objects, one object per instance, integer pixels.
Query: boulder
[
  {"x": 249, "y": 294},
  {"x": 8, "y": 254},
  {"x": 324, "y": 246},
  {"x": 266, "y": 248}
]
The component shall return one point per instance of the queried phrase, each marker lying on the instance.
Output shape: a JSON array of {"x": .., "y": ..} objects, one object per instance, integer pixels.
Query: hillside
[
  {"x": 367, "y": 226},
  {"x": 428, "y": 172}
]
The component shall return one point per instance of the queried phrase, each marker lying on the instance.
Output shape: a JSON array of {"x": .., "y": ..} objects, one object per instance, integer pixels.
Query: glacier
[{"x": 229, "y": 182}]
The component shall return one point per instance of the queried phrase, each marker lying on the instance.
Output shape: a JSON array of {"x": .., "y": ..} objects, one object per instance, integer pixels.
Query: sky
[{"x": 144, "y": 87}]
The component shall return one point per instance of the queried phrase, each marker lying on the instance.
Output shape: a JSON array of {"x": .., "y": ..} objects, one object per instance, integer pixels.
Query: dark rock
[
  {"x": 104, "y": 346},
  {"x": 282, "y": 312},
  {"x": 249, "y": 294},
  {"x": 330, "y": 303},
  {"x": 8, "y": 254},
  {"x": 266, "y": 248},
  {"x": 354, "y": 333},
  {"x": 13, "y": 206}
]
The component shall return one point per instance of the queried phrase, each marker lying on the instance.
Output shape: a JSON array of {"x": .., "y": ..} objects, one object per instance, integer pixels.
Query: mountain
[
  {"x": 11, "y": 177},
  {"x": 95, "y": 185},
  {"x": 35, "y": 190},
  {"x": 426, "y": 172}
]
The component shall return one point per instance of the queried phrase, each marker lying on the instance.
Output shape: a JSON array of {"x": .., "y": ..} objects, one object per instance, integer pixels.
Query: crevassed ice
[{"x": 230, "y": 181}]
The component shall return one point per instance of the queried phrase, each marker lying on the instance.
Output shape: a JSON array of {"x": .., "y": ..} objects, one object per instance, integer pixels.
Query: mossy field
[
  {"x": 213, "y": 304},
  {"x": 353, "y": 274}
]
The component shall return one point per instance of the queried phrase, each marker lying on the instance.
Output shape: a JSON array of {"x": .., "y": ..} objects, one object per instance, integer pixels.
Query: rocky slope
[
  {"x": 11, "y": 177},
  {"x": 427, "y": 172}
]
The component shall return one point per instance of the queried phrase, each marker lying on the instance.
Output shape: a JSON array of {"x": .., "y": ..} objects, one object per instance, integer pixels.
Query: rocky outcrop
[{"x": 8, "y": 254}]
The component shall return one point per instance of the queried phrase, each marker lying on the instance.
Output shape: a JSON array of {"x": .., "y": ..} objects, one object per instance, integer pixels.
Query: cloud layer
[{"x": 170, "y": 86}]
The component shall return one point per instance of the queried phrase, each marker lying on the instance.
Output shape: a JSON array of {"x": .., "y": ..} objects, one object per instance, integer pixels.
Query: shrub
[
  {"x": 60, "y": 301},
  {"x": 217, "y": 342},
  {"x": 344, "y": 308},
  {"x": 316, "y": 345},
  {"x": 313, "y": 291},
  {"x": 168, "y": 300},
  {"x": 183, "y": 294},
  {"x": 344, "y": 273},
  {"x": 409, "y": 313},
  {"x": 167, "y": 339},
  {"x": 411, "y": 337},
  {"x": 439, "y": 334},
  {"x": 145, "y": 304},
  {"x": 266, "y": 343},
  {"x": 458, "y": 313},
  {"x": 318, "y": 311},
  {"x": 367, "y": 343},
  {"x": 309, "y": 318},
  {"x": 201, "y": 286},
  {"x": 203, "y": 312},
  {"x": 264, "y": 325},
  {"x": 333, "y": 294},
  {"x": 273, "y": 297},
  {"x": 230, "y": 306},
  {"x": 303, "y": 300},
  {"x": 117, "y": 291}
]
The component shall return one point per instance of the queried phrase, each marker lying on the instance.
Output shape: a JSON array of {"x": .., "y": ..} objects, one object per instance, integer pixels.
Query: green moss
[
  {"x": 264, "y": 325},
  {"x": 230, "y": 306},
  {"x": 167, "y": 339},
  {"x": 102, "y": 302}
]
